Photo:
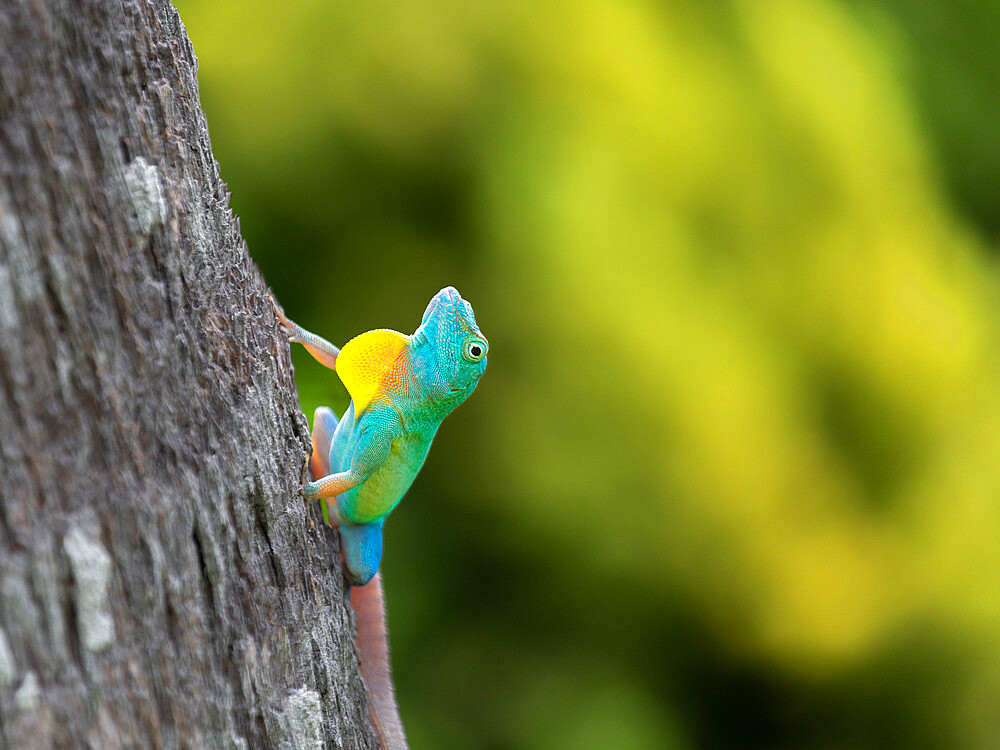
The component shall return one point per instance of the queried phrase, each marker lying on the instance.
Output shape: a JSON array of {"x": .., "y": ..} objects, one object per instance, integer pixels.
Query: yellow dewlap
[{"x": 367, "y": 361}]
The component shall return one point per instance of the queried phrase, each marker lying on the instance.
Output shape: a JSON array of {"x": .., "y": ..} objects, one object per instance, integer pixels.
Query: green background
[{"x": 732, "y": 479}]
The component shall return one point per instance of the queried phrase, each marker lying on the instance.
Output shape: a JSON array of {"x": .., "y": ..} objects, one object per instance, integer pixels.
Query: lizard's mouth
[{"x": 465, "y": 386}]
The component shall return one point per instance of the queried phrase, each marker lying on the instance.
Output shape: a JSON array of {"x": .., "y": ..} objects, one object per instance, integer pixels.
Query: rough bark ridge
[{"x": 159, "y": 582}]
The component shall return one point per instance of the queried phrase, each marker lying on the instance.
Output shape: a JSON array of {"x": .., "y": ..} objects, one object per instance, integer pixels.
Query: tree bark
[{"x": 160, "y": 580}]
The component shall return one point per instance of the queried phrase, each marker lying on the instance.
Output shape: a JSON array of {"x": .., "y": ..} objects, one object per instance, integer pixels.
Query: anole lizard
[{"x": 401, "y": 388}]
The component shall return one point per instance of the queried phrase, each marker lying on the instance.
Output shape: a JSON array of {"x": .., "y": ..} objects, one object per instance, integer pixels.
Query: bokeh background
[{"x": 732, "y": 479}]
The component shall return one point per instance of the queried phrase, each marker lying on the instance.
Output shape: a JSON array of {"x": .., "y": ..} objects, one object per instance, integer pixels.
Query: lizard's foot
[
  {"x": 324, "y": 352},
  {"x": 331, "y": 514},
  {"x": 288, "y": 327}
]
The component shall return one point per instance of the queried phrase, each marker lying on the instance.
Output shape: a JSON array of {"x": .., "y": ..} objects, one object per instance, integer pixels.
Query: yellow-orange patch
[{"x": 373, "y": 363}]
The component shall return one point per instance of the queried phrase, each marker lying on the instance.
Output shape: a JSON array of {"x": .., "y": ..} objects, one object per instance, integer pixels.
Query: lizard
[{"x": 401, "y": 389}]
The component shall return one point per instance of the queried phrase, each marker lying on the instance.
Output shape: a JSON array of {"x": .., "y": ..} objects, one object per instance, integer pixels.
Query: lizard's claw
[
  {"x": 309, "y": 492},
  {"x": 286, "y": 325}
]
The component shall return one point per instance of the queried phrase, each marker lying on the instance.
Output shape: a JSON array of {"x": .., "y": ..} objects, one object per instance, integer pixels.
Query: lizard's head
[{"x": 451, "y": 348}]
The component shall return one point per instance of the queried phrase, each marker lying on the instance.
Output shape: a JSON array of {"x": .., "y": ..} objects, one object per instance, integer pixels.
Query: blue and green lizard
[{"x": 401, "y": 388}]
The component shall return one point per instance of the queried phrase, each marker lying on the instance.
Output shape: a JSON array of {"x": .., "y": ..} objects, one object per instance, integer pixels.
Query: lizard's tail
[{"x": 373, "y": 651}]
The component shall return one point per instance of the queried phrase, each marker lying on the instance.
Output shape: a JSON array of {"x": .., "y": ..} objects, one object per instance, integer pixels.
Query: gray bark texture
[{"x": 161, "y": 584}]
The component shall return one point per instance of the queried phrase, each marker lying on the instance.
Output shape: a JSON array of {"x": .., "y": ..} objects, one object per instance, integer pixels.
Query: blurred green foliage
[{"x": 732, "y": 478}]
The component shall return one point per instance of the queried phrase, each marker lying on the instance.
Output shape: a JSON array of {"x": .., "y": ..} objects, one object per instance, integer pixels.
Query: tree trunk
[{"x": 160, "y": 581}]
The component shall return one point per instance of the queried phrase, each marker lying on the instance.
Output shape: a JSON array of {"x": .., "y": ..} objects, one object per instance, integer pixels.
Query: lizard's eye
[{"x": 474, "y": 350}]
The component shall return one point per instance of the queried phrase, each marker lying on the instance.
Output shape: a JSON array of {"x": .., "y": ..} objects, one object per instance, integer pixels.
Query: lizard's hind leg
[{"x": 324, "y": 425}]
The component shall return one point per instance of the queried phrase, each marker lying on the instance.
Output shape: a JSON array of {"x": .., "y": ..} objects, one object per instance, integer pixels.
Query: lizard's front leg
[
  {"x": 322, "y": 350},
  {"x": 331, "y": 485},
  {"x": 327, "y": 488}
]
